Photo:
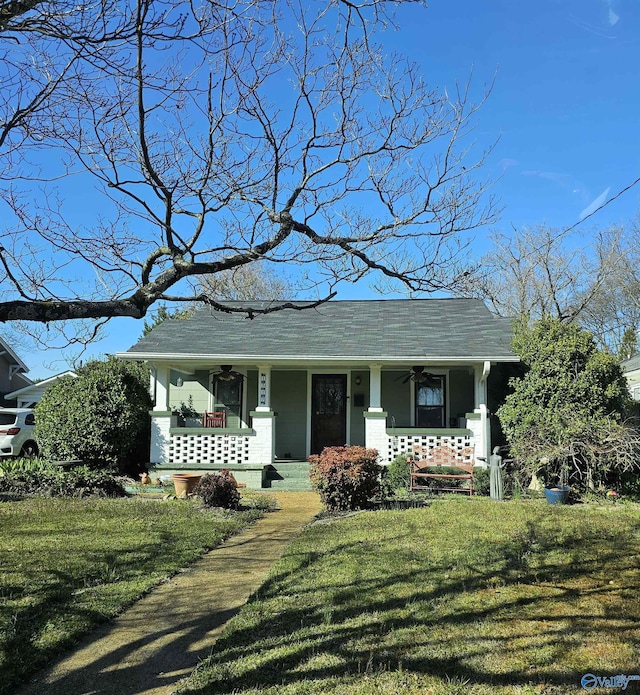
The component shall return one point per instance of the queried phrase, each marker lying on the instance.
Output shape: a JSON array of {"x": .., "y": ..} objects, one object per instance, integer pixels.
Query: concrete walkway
[{"x": 162, "y": 637}]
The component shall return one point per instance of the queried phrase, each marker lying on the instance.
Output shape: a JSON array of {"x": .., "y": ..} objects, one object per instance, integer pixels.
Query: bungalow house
[
  {"x": 386, "y": 374},
  {"x": 13, "y": 374}
]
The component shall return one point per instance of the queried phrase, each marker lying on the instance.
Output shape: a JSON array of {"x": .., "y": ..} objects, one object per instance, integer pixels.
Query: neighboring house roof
[
  {"x": 631, "y": 364},
  {"x": 13, "y": 359},
  {"x": 394, "y": 329},
  {"x": 33, "y": 392}
]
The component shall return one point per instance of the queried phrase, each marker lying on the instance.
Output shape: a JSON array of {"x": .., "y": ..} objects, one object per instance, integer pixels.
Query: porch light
[{"x": 179, "y": 382}]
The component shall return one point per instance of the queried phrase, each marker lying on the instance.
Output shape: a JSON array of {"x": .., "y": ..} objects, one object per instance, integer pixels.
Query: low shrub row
[
  {"x": 11, "y": 465},
  {"x": 349, "y": 478},
  {"x": 53, "y": 482}
]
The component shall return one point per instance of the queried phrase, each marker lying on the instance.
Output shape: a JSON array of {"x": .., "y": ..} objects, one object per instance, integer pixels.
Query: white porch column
[
  {"x": 160, "y": 437},
  {"x": 375, "y": 388},
  {"x": 262, "y": 444},
  {"x": 264, "y": 388},
  {"x": 161, "y": 388},
  {"x": 481, "y": 373},
  {"x": 161, "y": 418},
  {"x": 375, "y": 434},
  {"x": 375, "y": 419},
  {"x": 481, "y": 430}
]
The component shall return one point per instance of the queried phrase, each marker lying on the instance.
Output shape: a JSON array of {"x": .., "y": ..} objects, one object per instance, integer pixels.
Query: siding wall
[
  {"x": 289, "y": 400},
  {"x": 8, "y": 385},
  {"x": 357, "y": 417},
  {"x": 396, "y": 398},
  {"x": 195, "y": 385},
  {"x": 251, "y": 391},
  {"x": 461, "y": 401}
]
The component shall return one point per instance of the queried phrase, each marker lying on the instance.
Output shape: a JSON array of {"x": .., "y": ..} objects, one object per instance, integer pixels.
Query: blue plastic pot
[{"x": 557, "y": 495}]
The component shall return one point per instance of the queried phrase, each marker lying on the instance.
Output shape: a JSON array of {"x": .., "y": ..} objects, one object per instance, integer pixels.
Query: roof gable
[
  {"x": 12, "y": 358},
  {"x": 386, "y": 329},
  {"x": 37, "y": 387}
]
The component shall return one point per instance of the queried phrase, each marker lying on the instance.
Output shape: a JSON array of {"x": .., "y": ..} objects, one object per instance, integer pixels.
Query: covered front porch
[{"x": 247, "y": 416}]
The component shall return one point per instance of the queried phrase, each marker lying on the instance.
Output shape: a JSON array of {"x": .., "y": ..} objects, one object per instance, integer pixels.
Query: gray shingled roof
[
  {"x": 631, "y": 364},
  {"x": 437, "y": 328}
]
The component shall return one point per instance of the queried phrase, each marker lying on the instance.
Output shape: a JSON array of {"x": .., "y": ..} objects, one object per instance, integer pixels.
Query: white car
[{"x": 16, "y": 432}]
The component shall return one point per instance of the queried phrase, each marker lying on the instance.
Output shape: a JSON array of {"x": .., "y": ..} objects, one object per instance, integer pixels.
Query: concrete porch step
[
  {"x": 289, "y": 484},
  {"x": 298, "y": 469},
  {"x": 288, "y": 475}
]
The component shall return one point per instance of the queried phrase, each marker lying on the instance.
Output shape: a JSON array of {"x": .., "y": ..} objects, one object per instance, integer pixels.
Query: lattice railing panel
[
  {"x": 222, "y": 449},
  {"x": 404, "y": 443}
]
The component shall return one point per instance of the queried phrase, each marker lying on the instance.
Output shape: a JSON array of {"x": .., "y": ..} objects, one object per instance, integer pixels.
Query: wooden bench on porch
[{"x": 425, "y": 462}]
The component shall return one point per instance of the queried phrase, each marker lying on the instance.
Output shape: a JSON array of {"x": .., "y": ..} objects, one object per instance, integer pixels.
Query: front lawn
[
  {"x": 465, "y": 596},
  {"x": 66, "y": 565}
]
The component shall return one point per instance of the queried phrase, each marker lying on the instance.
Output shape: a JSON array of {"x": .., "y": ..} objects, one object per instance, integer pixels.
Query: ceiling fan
[
  {"x": 417, "y": 375},
  {"x": 226, "y": 373}
]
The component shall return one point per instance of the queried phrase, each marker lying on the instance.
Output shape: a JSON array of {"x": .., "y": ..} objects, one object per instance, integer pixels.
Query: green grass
[
  {"x": 67, "y": 565},
  {"x": 466, "y": 596}
]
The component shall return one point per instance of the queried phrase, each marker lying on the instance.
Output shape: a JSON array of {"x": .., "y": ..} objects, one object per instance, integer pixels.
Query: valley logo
[{"x": 589, "y": 681}]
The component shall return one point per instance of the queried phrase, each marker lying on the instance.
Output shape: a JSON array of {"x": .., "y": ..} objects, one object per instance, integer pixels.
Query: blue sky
[
  {"x": 563, "y": 110},
  {"x": 564, "y": 104}
]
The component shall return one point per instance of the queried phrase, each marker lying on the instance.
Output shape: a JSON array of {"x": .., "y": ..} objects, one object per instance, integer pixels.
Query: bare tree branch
[
  {"x": 542, "y": 272},
  {"x": 210, "y": 137}
]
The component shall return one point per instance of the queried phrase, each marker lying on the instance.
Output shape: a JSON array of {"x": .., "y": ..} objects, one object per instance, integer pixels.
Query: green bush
[
  {"x": 79, "y": 482},
  {"x": 395, "y": 476},
  {"x": 100, "y": 417},
  {"x": 346, "y": 477},
  {"x": 628, "y": 485},
  {"x": 564, "y": 417},
  {"x": 481, "y": 480},
  {"x": 218, "y": 490},
  {"x": 10, "y": 465}
]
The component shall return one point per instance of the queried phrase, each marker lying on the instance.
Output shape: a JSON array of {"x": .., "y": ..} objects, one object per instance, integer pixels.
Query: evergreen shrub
[{"x": 100, "y": 417}]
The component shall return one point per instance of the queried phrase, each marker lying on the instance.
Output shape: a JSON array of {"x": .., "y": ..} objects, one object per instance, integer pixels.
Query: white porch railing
[
  {"x": 404, "y": 443},
  {"x": 394, "y": 441},
  {"x": 199, "y": 445},
  {"x": 221, "y": 449}
]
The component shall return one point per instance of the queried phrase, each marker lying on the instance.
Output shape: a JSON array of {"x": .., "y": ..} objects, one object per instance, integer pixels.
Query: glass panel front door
[{"x": 328, "y": 411}]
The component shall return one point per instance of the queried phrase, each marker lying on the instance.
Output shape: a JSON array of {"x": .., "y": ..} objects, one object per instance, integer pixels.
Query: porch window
[
  {"x": 229, "y": 394},
  {"x": 430, "y": 402}
]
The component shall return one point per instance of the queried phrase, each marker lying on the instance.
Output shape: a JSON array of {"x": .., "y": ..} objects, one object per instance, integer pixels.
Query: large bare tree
[
  {"x": 217, "y": 135},
  {"x": 541, "y": 272}
]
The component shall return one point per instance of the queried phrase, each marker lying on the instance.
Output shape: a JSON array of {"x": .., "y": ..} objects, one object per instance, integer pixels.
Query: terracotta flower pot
[{"x": 185, "y": 483}]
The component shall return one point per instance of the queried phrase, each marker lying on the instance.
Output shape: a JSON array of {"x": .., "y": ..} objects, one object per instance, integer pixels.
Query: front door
[{"x": 328, "y": 411}]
